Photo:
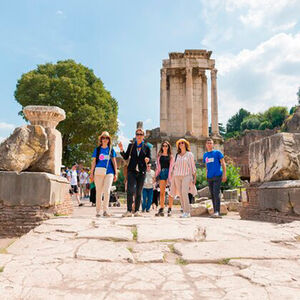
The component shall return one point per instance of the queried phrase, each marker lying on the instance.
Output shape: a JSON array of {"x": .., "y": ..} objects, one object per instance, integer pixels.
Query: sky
[{"x": 256, "y": 45}]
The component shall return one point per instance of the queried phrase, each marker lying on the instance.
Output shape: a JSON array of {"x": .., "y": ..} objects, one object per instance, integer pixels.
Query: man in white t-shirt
[
  {"x": 148, "y": 189},
  {"x": 72, "y": 177},
  {"x": 83, "y": 177}
]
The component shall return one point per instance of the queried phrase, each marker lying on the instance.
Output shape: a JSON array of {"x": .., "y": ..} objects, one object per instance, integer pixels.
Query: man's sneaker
[
  {"x": 80, "y": 204},
  {"x": 169, "y": 212},
  {"x": 183, "y": 215},
  {"x": 138, "y": 214},
  {"x": 160, "y": 213},
  {"x": 98, "y": 215},
  {"x": 106, "y": 214},
  {"x": 147, "y": 211},
  {"x": 127, "y": 214},
  {"x": 218, "y": 216}
]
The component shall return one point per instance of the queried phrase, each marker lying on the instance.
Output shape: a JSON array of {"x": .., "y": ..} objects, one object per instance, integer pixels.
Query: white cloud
[
  {"x": 4, "y": 125},
  {"x": 265, "y": 76},
  {"x": 121, "y": 124},
  {"x": 124, "y": 139},
  {"x": 148, "y": 121},
  {"x": 1, "y": 139}
]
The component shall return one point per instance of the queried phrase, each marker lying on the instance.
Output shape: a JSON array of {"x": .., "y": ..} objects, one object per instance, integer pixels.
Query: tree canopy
[{"x": 89, "y": 107}]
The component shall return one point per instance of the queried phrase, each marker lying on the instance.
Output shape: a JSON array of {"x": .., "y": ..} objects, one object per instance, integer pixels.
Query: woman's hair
[
  {"x": 104, "y": 134},
  {"x": 187, "y": 146},
  {"x": 161, "y": 148}
]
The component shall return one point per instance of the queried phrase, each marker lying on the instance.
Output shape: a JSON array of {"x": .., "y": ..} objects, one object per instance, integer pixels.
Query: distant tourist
[
  {"x": 183, "y": 176},
  {"x": 148, "y": 189},
  {"x": 73, "y": 179},
  {"x": 83, "y": 178},
  {"x": 139, "y": 155},
  {"x": 215, "y": 173},
  {"x": 103, "y": 172},
  {"x": 164, "y": 165}
]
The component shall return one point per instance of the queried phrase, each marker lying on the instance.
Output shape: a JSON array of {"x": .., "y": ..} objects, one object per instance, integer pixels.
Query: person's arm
[
  {"x": 114, "y": 162},
  {"x": 93, "y": 169},
  {"x": 223, "y": 164},
  {"x": 126, "y": 154},
  {"x": 193, "y": 165},
  {"x": 148, "y": 154}
]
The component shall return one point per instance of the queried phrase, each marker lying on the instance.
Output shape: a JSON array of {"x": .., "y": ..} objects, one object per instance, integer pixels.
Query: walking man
[
  {"x": 139, "y": 155},
  {"x": 215, "y": 173}
]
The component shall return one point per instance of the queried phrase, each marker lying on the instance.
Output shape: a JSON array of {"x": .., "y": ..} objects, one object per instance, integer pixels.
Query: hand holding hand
[{"x": 147, "y": 160}]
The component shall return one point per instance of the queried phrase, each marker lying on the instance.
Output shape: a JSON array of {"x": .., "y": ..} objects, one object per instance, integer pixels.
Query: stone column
[
  {"x": 204, "y": 106},
  {"x": 163, "y": 101},
  {"x": 189, "y": 101},
  {"x": 214, "y": 104}
]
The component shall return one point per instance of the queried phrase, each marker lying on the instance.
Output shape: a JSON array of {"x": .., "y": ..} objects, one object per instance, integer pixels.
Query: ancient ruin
[
  {"x": 184, "y": 101},
  {"x": 31, "y": 188}
]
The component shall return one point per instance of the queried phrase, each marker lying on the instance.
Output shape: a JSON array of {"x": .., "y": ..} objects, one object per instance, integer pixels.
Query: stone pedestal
[{"x": 28, "y": 198}]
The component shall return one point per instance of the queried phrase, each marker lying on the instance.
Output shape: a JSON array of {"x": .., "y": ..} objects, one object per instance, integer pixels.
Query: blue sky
[{"x": 256, "y": 45}]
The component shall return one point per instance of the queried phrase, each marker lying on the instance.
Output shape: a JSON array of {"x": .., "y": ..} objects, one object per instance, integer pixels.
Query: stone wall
[{"x": 237, "y": 149}]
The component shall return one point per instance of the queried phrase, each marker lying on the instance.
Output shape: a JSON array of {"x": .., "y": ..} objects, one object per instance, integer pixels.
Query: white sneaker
[
  {"x": 127, "y": 214},
  {"x": 183, "y": 215},
  {"x": 188, "y": 215},
  {"x": 138, "y": 214}
]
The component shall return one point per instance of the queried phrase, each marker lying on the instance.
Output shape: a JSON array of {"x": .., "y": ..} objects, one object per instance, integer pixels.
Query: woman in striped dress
[{"x": 183, "y": 175}]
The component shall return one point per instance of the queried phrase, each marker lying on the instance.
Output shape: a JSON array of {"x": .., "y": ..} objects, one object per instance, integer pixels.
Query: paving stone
[
  {"x": 116, "y": 233},
  {"x": 103, "y": 251},
  {"x": 4, "y": 259},
  {"x": 151, "y": 257},
  {"x": 210, "y": 251},
  {"x": 169, "y": 232}
]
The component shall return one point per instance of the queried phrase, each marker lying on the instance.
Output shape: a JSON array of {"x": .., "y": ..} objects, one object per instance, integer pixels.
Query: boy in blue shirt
[{"x": 215, "y": 173}]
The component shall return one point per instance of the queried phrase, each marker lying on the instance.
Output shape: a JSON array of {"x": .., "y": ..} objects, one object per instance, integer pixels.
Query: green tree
[
  {"x": 250, "y": 122},
  {"x": 120, "y": 183},
  {"x": 89, "y": 107},
  {"x": 264, "y": 125},
  {"x": 234, "y": 123},
  {"x": 233, "y": 177},
  {"x": 298, "y": 95},
  {"x": 276, "y": 115}
]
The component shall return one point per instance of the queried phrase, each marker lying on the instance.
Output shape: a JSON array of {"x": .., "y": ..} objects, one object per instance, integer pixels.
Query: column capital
[
  {"x": 213, "y": 73},
  {"x": 163, "y": 72},
  {"x": 189, "y": 71}
]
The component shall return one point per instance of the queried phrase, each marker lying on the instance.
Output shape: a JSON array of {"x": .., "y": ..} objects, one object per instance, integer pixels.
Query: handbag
[{"x": 101, "y": 170}]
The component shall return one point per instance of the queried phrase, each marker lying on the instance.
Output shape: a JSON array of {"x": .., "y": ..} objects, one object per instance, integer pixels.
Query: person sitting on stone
[
  {"x": 103, "y": 172},
  {"x": 73, "y": 179},
  {"x": 164, "y": 165},
  {"x": 139, "y": 155},
  {"x": 215, "y": 173}
]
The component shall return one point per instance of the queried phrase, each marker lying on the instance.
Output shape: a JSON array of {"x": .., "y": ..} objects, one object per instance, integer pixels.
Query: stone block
[
  {"x": 283, "y": 196},
  {"x": 198, "y": 210},
  {"x": 29, "y": 189},
  {"x": 276, "y": 157},
  {"x": 230, "y": 195},
  {"x": 26, "y": 145},
  {"x": 50, "y": 162},
  {"x": 204, "y": 192}
]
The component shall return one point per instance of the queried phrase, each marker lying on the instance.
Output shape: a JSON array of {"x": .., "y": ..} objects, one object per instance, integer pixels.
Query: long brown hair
[{"x": 160, "y": 152}]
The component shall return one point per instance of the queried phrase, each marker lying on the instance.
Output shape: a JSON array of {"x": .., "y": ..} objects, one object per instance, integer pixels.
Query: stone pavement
[{"x": 84, "y": 257}]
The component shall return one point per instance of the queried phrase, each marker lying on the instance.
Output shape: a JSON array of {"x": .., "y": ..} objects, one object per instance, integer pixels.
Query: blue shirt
[
  {"x": 213, "y": 164},
  {"x": 103, "y": 157}
]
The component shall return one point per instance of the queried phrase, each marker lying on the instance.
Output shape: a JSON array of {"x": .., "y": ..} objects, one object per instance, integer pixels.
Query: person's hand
[
  {"x": 224, "y": 178},
  {"x": 147, "y": 160},
  {"x": 115, "y": 178},
  {"x": 91, "y": 177},
  {"x": 121, "y": 146}
]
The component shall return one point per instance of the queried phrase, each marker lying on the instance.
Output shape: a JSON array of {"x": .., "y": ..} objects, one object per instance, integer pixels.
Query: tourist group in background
[{"x": 174, "y": 176}]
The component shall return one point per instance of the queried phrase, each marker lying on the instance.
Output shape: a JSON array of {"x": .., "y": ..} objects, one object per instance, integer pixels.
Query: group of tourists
[{"x": 176, "y": 171}]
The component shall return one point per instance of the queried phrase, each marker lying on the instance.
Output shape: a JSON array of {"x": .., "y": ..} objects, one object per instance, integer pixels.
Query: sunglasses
[
  {"x": 181, "y": 143},
  {"x": 139, "y": 134},
  {"x": 105, "y": 138},
  {"x": 165, "y": 146}
]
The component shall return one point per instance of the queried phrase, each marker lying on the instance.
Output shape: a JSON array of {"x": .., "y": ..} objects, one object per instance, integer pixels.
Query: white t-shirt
[
  {"x": 83, "y": 177},
  {"x": 148, "y": 184},
  {"x": 73, "y": 177}
]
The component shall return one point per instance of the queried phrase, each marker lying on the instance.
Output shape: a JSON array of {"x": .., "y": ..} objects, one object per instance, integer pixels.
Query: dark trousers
[
  {"x": 134, "y": 188},
  {"x": 214, "y": 184}
]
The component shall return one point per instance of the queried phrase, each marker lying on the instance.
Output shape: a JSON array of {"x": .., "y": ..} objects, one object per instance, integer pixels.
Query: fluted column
[
  {"x": 204, "y": 106},
  {"x": 214, "y": 103},
  {"x": 189, "y": 101},
  {"x": 163, "y": 101}
]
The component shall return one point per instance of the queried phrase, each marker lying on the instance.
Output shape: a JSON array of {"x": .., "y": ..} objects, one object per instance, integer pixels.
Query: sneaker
[
  {"x": 106, "y": 214},
  {"x": 127, "y": 214},
  {"x": 80, "y": 204},
  {"x": 143, "y": 211},
  {"x": 218, "y": 216},
  {"x": 188, "y": 215},
  {"x": 183, "y": 215},
  {"x": 214, "y": 215},
  {"x": 137, "y": 214},
  {"x": 160, "y": 213},
  {"x": 147, "y": 211},
  {"x": 98, "y": 215},
  {"x": 169, "y": 212}
]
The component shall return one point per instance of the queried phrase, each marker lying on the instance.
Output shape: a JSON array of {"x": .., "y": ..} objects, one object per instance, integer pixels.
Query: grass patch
[
  {"x": 171, "y": 247},
  {"x": 130, "y": 249},
  {"x": 3, "y": 251},
  {"x": 298, "y": 238},
  {"x": 134, "y": 233},
  {"x": 1, "y": 269},
  {"x": 60, "y": 215},
  {"x": 224, "y": 261},
  {"x": 181, "y": 261}
]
